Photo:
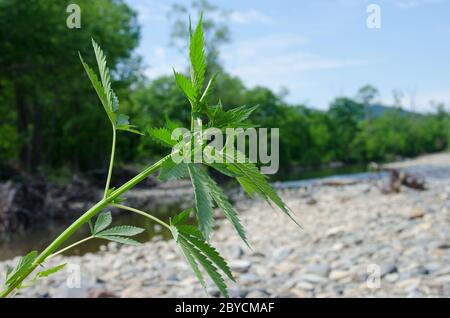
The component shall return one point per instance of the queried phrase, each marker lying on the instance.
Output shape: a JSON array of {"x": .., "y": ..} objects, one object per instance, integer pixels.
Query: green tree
[
  {"x": 345, "y": 114},
  {"x": 39, "y": 62}
]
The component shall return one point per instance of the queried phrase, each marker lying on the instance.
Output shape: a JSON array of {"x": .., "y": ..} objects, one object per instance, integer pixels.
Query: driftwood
[
  {"x": 398, "y": 178},
  {"x": 25, "y": 201}
]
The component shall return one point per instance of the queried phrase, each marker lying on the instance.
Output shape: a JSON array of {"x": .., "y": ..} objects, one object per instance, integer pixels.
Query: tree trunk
[
  {"x": 36, "y": 140},
  {"x": 22, "y": 125}
]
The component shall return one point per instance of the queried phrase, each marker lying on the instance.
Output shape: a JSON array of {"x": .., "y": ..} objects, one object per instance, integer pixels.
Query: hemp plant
[{"x": 192, "y": 240}]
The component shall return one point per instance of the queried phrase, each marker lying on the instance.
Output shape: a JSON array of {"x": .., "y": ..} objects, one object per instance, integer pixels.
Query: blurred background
[{"x": 343, "y": 93}]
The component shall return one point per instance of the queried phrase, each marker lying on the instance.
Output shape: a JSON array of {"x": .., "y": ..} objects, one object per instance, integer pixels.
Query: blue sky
[{"x": 322, "y": 49}]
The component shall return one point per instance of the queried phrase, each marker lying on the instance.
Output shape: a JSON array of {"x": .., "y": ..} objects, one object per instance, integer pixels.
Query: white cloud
[
  {"x": 162, "y": 60},
  {"x": 408, "y": 4},
  {"x": 279, "y": 60},
  {"x": 150, "y": 11},
  {"x": 249, "y": 17}
]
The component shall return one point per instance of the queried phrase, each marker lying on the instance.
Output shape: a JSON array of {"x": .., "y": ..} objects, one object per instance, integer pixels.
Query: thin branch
[
  {"x": 149, "y": 216},
  {"x": 111, "y": 163},
  {"x": 70, "y": 246}
]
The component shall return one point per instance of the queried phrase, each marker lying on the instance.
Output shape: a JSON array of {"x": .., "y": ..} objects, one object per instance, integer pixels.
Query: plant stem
[
  {"x": 70, "y": 246},
  {"x": 124, "y": 207},
  {"x": 82, "y": 220},
  {"x": 111, "y": 163}
]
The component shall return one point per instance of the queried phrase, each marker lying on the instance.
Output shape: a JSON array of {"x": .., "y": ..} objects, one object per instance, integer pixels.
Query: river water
[{"x": 39, "y": 235}]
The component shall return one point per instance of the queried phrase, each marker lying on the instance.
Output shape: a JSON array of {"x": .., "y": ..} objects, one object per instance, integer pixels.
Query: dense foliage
[{"x": 48, "y": 116}]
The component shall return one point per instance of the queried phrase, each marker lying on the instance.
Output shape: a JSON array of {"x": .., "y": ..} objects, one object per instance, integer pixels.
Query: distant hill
[{"x": 379, "y": 109}]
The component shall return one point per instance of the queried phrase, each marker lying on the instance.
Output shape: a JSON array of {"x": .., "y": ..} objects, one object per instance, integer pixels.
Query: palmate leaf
[
  {"x": 119, "y": 234},
  {"x": 203, "y": 200},
  {"x": 199, "y": 253}
]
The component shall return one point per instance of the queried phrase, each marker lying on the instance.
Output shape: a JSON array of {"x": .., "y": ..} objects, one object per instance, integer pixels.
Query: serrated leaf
[
  {"x": 203, "y": 200},
  {"x": 104, "y": 91},
  {"x": 99, "y": 90},
  {"x": 186, "y": 86},
  {"x": 22, "y": 266},
  {"x": 222, "y": 202},
  {"x": 232, "y": 118},
  {"x": 221, "y": 199},
  {"x": 253, "y": 181},
  {"x": 119, "y": 239},
  {"x": 197, "y": 57},
  {"x": 223, "y": 169},
  {"x": 190, "y": 230},
  {"x": 104, "y": 74},
  {"x": 50, "y": 271},
  {"x": 209, "y": 267},
  {"x": 210, "y": 252},
  {"x": 122, "y": 230},
  {"x": 103, "y": 221},
  {"x": 192, "y": 262},
  {"x": 171, "y": 171},
  {"x": 180, "y": 217},
  {"x": 163, "y": 136},
  {"x": 129, "y": 128}
]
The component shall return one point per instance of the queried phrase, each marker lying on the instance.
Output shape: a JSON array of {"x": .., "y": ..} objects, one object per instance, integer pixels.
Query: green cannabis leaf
[
  {"x": 171, "y": 171},
  {"x": 118, "y": 234},
  {"x": 198, "y": 60},
  {"x": 203, "y": 200},
  {"x": 105, "y": 93},
  {"x": 103, "y": 221},
  {"x": 163, "y": 136},
  {"x": 198, "y": 252},
  {"x": 50, "y": 271},
  {"x": 23, "y": 264}
]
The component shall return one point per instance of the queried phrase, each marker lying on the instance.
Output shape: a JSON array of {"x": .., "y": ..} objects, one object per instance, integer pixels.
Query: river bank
[{"x": 355, "y": 242}]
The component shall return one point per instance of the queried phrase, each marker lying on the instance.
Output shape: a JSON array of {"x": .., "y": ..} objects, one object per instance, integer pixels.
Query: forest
[{"x": 52, "y": 122}]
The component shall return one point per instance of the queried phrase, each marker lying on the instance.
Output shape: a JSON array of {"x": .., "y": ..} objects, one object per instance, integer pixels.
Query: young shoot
[{"x": 193, "y": 240}]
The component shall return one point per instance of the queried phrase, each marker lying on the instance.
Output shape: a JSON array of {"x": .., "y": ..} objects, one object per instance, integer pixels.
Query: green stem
[
  {"x": 82, "y": 220},
  {"x": 149, "y": 216},
  {"x": 111, "y": 163},
  {"x": 70, "y": 246}
]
